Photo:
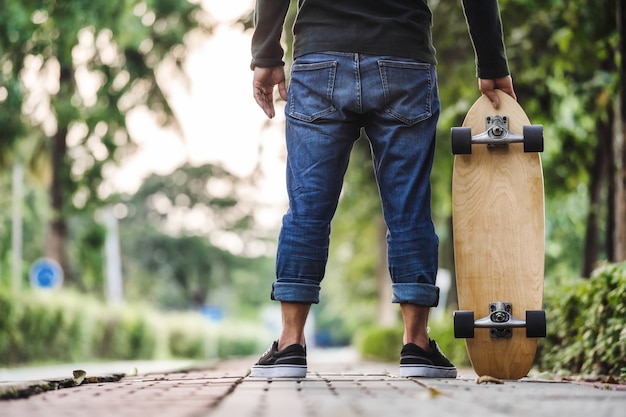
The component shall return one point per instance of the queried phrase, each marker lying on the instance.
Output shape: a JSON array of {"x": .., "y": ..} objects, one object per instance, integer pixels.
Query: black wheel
[
  {"x": 533, "y": 138},
  {"x": 461, "y": 140},
  {"x": 464, "y": 324},
  {"x": 536, "y": 323}
]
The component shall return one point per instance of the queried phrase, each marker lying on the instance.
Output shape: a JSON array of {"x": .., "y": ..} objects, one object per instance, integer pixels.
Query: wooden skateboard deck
[{"x": 498, "y": 227}]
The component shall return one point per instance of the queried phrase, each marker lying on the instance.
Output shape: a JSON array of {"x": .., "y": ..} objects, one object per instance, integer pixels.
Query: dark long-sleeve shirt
[{"x": 377, "y": 27}]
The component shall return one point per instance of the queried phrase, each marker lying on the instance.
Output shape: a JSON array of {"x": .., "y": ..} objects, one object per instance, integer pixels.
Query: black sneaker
[
  {"x": 415, "y": 361},
  {"x": 287, "y": 363}
]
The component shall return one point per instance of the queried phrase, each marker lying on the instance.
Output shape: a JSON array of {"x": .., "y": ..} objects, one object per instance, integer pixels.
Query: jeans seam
[{"x": 357, "y": 74}]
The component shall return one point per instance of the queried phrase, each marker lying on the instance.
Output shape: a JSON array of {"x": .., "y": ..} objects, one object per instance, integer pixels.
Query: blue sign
[
  {"x": 214, "y": 314},
  {"x": 46, "y": 274}
]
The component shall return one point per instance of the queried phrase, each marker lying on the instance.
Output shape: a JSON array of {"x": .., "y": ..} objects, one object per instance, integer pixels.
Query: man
[{"x": 361, "y": 64}]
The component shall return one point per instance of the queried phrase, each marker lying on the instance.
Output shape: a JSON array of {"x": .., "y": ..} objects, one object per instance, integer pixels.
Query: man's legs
[
  {"x": 402, "y": 97},
  {"x": 321, "y": 129},
  {"x": 320, "y": 134},
  {"x": 415, "y": 325},
  {"x": 294, "y": 317},
  {"x": 286, "y": 357}
]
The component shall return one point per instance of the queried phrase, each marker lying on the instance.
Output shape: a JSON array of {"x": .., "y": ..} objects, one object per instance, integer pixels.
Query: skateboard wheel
[
  {"x": 535, "y": 323},
  {"x": 461, "y": 140},
  {"x": 464, "y": 324},
  {"x": 533, "y": 138}
]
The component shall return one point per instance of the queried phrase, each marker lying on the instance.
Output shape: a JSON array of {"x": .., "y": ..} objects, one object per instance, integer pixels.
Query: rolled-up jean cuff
[
  {"x": 296, "y": 292},
  {"x": 415, "y": 293}
]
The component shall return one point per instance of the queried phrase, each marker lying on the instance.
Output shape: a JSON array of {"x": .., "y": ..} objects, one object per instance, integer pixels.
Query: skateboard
[{"x": 498, "y": 228}]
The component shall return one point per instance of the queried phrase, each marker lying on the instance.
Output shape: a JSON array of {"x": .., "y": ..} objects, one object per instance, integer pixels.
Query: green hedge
[
  {"x": 61, "y": 326},
  {"x": 587, "y": 325},
  {"x": 30, "y": 329}
]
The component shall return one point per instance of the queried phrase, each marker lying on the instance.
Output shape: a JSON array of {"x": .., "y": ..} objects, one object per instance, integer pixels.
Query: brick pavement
[{"x": 330, "y": 389}]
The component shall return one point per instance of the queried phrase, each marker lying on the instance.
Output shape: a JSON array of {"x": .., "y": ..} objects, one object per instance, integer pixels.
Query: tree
[
  {"x": 175, "y": 232},
  {"x": 205, "y": 199},
  {"x": 99, "y": 61}
]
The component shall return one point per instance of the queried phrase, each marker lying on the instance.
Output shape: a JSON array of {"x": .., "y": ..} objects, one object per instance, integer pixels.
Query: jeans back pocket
[
  {"x": 311, "y": 90},
  {"x": 408, "y": 89}
]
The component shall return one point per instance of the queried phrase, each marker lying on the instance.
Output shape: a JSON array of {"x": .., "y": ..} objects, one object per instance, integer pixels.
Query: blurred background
[{"x": 142, "y": 189}]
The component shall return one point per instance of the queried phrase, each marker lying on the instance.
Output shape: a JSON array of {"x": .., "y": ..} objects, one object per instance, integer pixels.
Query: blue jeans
[{"x": 331, "y": 97}]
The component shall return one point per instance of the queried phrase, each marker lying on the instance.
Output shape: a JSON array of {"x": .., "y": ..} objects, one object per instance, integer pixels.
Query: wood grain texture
[{"x": 498, "y": 226}]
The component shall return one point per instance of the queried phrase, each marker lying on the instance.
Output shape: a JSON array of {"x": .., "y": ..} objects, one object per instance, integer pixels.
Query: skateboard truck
[
  {"x": 500, "y": 322},
  {"x": 497, "y": 134},
  {"x": 501, "y": 315}
]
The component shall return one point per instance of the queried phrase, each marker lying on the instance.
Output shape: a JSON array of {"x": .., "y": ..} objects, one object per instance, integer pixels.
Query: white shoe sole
[
  {"x": 425, "y": 371},
  {"x": 278, "y": 371}
]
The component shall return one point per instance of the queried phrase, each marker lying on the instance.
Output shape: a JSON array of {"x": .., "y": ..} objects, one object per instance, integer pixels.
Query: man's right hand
[
  {"x": 488, "y": 87},
  {"x": 263, "y": 83}
]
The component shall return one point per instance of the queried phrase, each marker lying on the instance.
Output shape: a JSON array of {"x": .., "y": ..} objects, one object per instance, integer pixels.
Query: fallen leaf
[
  {"x": 79, "y": 376},
  {"x": 486, "y": 379}
]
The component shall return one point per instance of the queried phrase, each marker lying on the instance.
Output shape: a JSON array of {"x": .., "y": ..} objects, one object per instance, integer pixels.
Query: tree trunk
[
  {"x": 57, "y": 227},
  {"x": 57, "y": 236},
  {"x": 620, "y": 211},
  {"x": 619, "y": 252},
  {"x": 598, "y": 179},
  {"x": 612, "y": 188},
  {"x": 16, "y": 227}
]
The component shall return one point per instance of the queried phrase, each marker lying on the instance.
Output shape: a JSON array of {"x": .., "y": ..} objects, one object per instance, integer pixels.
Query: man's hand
[
  {"x": 487, "y": 87},
  {"x": 263, "y": 83}
]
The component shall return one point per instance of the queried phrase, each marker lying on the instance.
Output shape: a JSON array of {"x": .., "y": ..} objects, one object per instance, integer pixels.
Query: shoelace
[{"x": 269, "y": 349}]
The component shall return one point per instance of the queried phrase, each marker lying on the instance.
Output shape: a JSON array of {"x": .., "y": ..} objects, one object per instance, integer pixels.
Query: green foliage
[
  {"x": 587, "y": 324},
  {"x": 126, "y": 334},
  {"x": 37, "y": 328},
  {"x": 118, "y": 43},
  {"x": 384, "y": 343},
  {"x": 66, "y": 327},
  {"x": 565, "y": 229},
  {"x": 241, "y": 339},
  {"x": 184, "y": 340},
  {"x": 87, "y": 250},
  {"x": 379, "y": 343}
]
